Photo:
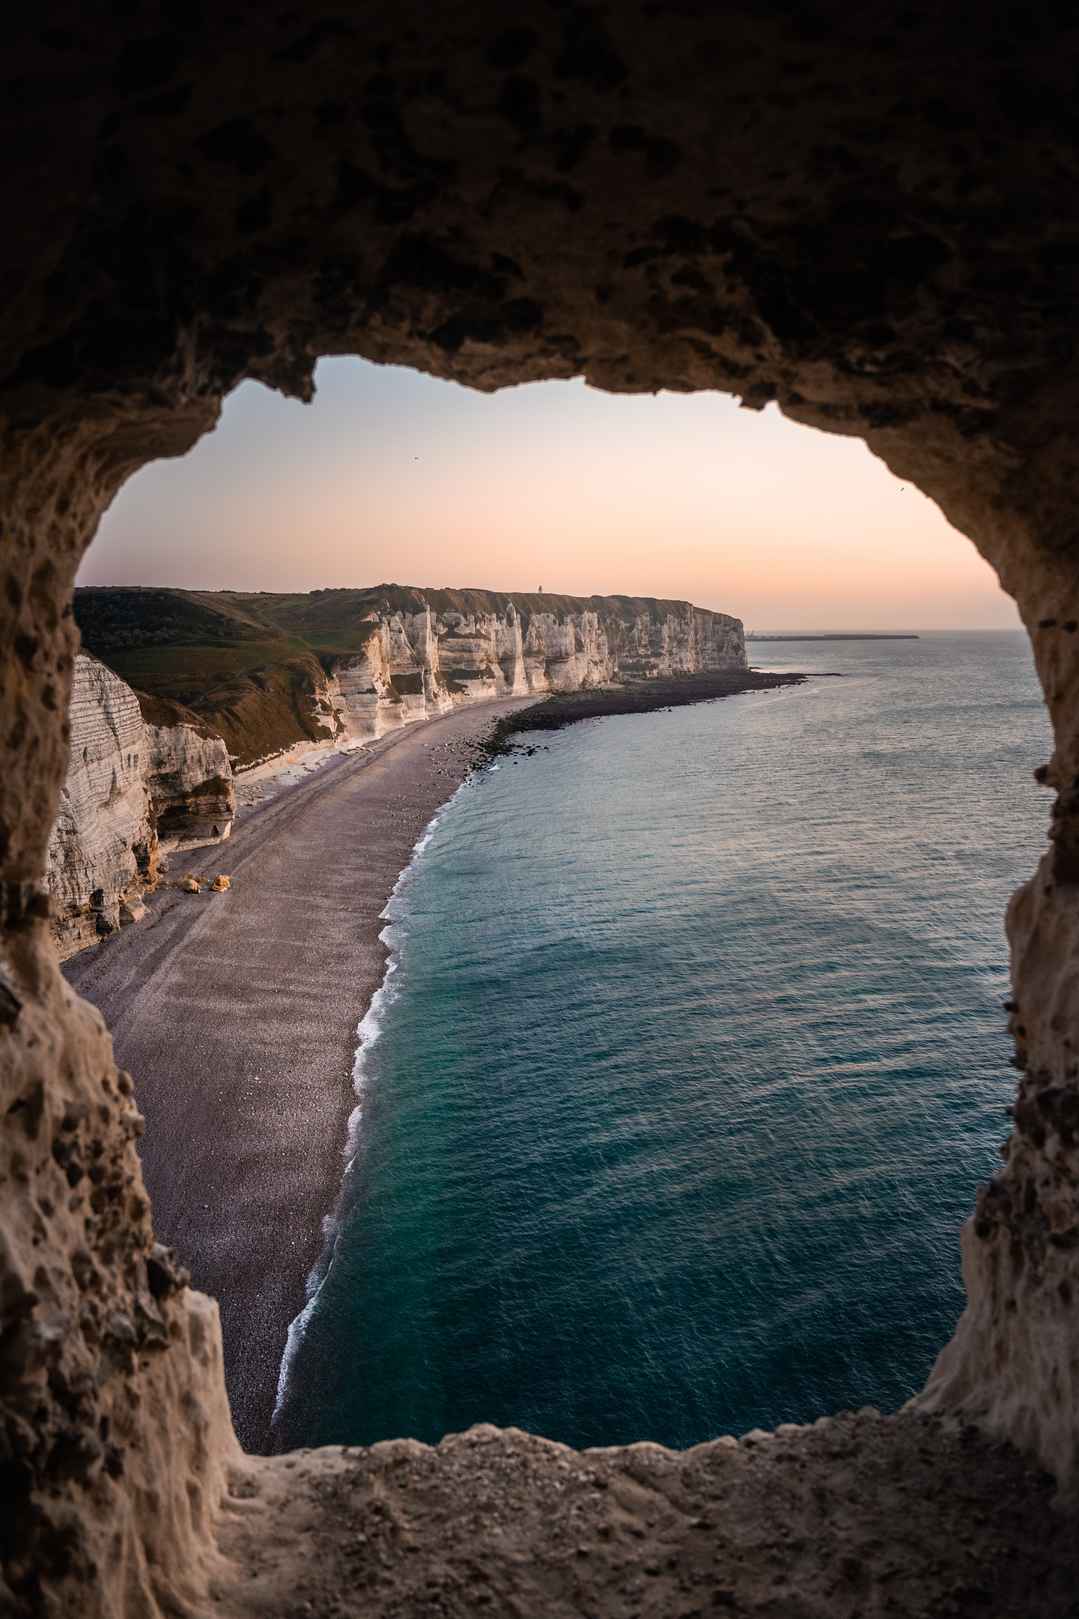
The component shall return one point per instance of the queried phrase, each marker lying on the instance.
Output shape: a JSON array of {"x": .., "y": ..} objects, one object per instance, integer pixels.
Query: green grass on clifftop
[
  {"x": 246, "y": 664},
  {"x": 213, "y": 659}
]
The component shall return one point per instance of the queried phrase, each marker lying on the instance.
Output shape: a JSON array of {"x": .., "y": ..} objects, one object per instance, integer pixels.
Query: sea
[{"x": 690, "y": 1057}]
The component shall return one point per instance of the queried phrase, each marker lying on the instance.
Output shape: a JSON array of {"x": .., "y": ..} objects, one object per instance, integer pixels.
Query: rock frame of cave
[{"x": 869, "y": 219}]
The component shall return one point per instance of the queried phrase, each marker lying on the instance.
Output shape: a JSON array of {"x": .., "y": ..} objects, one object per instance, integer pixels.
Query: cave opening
[
  {"x": 258, "y": 480},
  {"x": 203, "y": 1402},
  {"x": 166, "y": 1283}
]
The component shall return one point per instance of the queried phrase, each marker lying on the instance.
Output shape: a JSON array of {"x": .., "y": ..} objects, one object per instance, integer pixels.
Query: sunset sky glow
[{"x": 391, "y": 475}]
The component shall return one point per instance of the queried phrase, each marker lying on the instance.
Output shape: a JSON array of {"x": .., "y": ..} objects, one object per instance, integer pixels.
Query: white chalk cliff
[
  {"x": 427, "y": 652},
  {"x": 132, "y": 793}
]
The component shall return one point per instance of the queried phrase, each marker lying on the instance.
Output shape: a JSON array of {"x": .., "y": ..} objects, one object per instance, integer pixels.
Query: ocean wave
[{"x": 368, "y": 1033}]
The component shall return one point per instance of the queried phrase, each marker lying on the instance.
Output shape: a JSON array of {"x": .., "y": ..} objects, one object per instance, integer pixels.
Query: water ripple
[{"x": 694, "y": 1058}]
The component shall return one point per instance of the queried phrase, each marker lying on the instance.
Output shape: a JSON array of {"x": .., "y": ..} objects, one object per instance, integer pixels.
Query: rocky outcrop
[
  {"x": 132, "y": 793},
  {"x": 189, "y": 780},
  {"x": 428, "y": 651}
]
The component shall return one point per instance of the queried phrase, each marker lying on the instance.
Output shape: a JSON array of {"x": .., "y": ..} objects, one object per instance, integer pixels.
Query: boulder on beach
[{"x": 190, "y": 885}]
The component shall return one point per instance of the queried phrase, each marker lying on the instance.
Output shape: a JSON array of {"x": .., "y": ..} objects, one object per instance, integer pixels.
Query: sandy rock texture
[
  {"x": 131, "y": 793},
  {"x": 853, "y": 1517},
  {"x": 864, "y": 215}
]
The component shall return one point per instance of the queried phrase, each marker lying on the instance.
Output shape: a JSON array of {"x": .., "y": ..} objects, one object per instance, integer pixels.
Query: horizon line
[{"x": 777, "y": 629}]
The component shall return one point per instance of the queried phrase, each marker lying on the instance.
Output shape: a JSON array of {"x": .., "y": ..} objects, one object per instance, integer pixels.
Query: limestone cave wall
[{"x": 864, "y": 215}]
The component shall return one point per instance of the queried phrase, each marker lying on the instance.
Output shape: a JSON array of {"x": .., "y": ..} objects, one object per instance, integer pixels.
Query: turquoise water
[{"x": 691, "y": 1060}]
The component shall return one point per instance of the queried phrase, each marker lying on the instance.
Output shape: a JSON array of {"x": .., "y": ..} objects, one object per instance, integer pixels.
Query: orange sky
[{"x": 393, "y": 476}]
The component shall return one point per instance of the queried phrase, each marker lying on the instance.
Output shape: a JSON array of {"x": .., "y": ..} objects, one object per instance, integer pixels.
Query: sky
[{"x": 394, "y": 476}]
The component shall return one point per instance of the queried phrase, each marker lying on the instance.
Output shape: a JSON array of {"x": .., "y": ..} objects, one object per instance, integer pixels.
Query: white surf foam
[{"x": 368, "y": 1033}]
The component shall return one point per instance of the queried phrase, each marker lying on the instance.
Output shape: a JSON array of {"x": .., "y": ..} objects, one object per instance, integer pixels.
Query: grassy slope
[
  {"x": 331, "y": 610},
  {"x": 230, "y": 668},
  {"x": 245, "y": 663}
]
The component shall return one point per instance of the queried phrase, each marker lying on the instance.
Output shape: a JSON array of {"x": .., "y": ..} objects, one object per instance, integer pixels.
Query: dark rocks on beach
[{"x": 643, "y": 697}]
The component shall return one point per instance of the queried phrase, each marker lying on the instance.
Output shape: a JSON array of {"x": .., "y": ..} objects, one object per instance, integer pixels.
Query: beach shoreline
[
  {"x": 237, "y": 1016},
  {"x": 238, "y": 1013}
]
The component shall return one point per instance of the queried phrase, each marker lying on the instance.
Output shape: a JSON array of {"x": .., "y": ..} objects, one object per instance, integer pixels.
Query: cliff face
[
  {"x": 132, "y": 792},
  {"x": 269, "y": 671},
  {"x": 426, "y": 652},
  {"x": 142, "y": 780}
]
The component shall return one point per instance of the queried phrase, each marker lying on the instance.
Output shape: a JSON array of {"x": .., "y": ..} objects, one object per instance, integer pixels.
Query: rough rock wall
[
  {"x": 1013, "y": 1364},
  {"x": 131, "y": 793},
  {"x": 430, "y": 656},
  {"x": 189, "y": 779},
  {"x": 103, "y": 850},
  {"x": 864, "y": 215}
]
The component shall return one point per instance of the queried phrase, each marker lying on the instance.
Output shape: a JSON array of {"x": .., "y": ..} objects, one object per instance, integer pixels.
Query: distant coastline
[{"x": 759, "y": 635}]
